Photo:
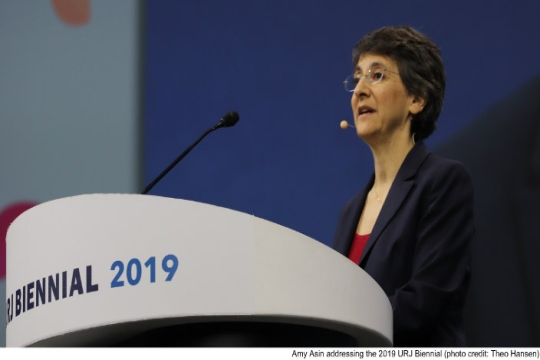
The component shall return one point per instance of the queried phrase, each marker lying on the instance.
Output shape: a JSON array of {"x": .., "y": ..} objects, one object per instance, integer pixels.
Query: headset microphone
[{"x": 344, "y": 124}]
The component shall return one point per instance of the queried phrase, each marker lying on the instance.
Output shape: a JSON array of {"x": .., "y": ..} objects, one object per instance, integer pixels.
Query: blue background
[{"x": 281, "y": 64}]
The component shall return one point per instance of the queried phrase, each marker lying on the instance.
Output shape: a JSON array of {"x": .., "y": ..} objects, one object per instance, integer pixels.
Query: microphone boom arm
[
  {"x": 229, "y": 119},
  {"x": 176, "y": 161}
]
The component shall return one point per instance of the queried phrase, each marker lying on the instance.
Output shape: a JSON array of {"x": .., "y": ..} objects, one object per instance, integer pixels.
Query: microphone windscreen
[
  {"x": 344, "y": 124},
  {"x": 230, "y": 119}
]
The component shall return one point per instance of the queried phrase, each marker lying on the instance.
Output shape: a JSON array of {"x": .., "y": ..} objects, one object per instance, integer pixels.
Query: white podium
[{"x": 140, "y": 270}]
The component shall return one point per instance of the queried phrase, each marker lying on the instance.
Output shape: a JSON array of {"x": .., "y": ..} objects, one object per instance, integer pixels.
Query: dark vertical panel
[{"x": 497, "y": 148}]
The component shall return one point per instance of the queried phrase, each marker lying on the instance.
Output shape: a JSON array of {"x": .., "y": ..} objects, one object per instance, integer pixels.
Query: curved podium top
[{"x": 95, "y": 269}]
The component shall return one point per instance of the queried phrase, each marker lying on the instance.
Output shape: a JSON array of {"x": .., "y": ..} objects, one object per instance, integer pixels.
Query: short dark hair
[{"x": 420, "y": 66}]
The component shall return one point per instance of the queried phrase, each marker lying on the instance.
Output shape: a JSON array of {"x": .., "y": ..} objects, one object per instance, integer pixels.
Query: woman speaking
[{"x": 411, "y": 226}]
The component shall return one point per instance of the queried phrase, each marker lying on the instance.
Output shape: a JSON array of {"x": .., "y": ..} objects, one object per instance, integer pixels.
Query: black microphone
[{"x": 228, "y": 120}]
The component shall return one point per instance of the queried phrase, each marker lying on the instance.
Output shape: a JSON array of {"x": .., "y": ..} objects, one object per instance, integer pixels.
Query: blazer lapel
[
  {"x": 352, "y": 221},
  {"x": 399, "y": 190}
]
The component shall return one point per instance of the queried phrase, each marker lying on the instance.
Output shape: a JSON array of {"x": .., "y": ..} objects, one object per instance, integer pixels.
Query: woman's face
[{"x": 381, "y": 110}]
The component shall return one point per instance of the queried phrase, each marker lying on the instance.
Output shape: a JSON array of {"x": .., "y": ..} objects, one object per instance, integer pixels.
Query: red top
[{"x": 358, "y": 245}]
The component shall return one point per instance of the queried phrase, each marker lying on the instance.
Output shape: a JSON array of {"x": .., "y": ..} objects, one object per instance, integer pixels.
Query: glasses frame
[{"x": 369, "y": 77}]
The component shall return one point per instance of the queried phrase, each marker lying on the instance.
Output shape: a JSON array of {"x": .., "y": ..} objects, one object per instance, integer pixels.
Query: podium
[{"x": 140, "y": 270}]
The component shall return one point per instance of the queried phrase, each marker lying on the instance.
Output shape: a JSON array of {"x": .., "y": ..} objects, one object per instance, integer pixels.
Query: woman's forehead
[{"x": 369, "y": 61}]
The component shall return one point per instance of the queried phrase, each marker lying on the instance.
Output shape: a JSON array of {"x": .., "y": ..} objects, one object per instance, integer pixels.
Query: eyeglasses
[{"x": 373, "y": 76}]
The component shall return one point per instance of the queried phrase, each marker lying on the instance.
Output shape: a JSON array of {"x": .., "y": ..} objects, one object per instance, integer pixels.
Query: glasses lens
[
  {"x": 375, "y": 75},
  {"x": 350, "y": 83}
]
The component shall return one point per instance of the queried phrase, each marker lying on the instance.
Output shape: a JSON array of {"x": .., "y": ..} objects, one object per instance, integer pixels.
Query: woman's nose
[{"x": 361, "y": 88}]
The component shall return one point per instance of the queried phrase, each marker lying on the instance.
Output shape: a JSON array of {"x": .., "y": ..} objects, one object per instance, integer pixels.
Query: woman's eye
[{"x": 377, "y": 75}]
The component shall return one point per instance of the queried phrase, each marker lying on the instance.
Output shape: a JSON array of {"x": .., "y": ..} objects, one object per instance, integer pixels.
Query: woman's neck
[{"x": 388, "y": 157}]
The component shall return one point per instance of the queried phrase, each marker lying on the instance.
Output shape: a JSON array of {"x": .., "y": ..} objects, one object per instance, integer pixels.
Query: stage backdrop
[
  {"x": 281, "y": 64},
  {"x": 69, "y": 109},
  {"x": 69, "y": 100}
]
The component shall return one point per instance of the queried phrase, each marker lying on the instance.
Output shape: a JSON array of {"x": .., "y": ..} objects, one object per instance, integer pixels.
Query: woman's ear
[{"x": 417, "y": 105}]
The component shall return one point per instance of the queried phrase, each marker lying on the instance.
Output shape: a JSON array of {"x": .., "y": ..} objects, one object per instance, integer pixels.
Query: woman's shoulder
[
  {"x": 428, "y": 167},
  {"x": 442, "y": 165},
  {"x": 440, "y": 171}
]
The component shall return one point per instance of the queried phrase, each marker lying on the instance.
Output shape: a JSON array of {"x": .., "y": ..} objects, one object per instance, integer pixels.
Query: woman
[{"x": 410, "y": 228}]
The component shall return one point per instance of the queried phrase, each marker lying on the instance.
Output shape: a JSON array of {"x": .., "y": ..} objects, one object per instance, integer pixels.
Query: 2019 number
[{"x": 134, "y": 270}]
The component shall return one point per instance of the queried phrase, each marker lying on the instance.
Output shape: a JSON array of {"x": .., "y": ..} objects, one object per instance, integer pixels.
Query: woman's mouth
[{"x": 365, "y": 111}]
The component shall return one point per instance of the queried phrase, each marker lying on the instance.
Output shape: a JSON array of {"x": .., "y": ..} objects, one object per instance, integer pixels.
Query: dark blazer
[{"x": 419, "y": 249}]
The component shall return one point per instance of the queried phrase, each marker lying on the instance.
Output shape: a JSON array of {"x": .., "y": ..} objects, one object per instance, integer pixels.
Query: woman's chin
[{"x": 364, "y": 133}]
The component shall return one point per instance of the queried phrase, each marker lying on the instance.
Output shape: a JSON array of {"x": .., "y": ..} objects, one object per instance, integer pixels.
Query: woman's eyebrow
[{"x": 371, "y": 66}]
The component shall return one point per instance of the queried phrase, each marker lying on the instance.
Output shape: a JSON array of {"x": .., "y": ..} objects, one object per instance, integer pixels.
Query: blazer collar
[{"x": 398, "y": 193}]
